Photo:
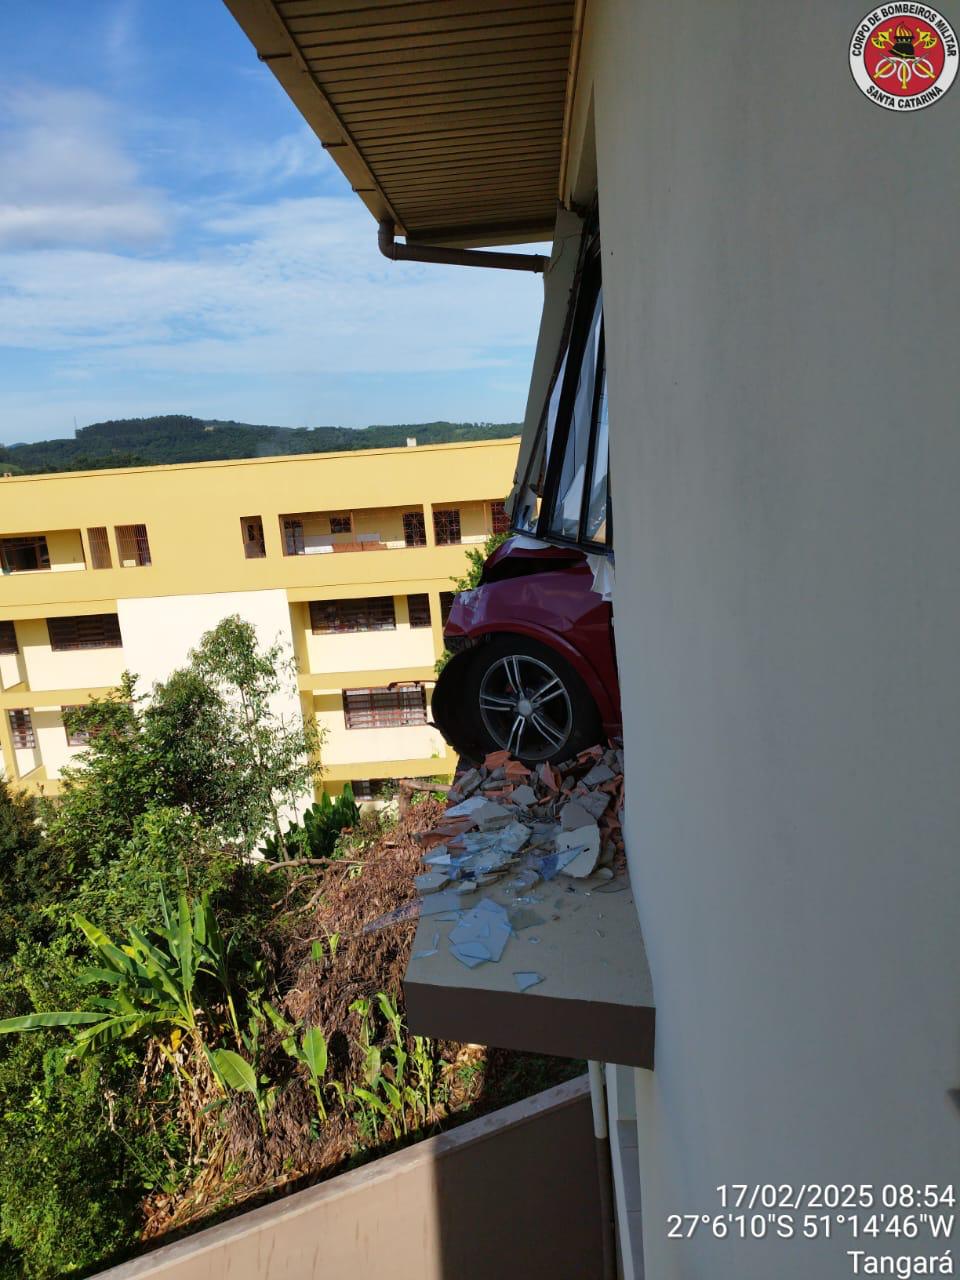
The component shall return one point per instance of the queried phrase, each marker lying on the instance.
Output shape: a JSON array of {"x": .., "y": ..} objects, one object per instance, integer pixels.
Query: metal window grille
[
  {"x": 446, "y": 526},
  {"x": 76, "y": 737},
  {"x": 21, "y": 555},
  {"x": 414, "y": 529},
  {"x": 8, "y": 638},
  {"x": 341, "y": 524},
  {"x": 100, "y": 557},
  {"x": 499, "y": 517},
  {"x": 93, "y": 631},
  {"x": 133, "y": 545},
  {"x": 373, "y": 613},
  {"x": 293, "y": 544},
  {"x": 418, "y": 607},
  {"x": 385, "y": 708},
  {"x": 254, "y": 546},
  {"x": 446, "y": 604},
  {"x": 366, "y": 789},
  {"x": 21, "y": 730}
]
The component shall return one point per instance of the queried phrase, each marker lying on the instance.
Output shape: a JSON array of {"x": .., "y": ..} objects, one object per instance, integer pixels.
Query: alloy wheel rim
[{"x": 525, "y": 707}]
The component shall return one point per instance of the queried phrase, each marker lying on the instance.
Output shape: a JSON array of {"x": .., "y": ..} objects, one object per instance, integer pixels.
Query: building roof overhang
[{"x": 446, "y": 116}]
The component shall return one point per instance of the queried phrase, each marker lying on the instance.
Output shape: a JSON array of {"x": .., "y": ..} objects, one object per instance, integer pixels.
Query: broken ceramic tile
[
  {"x": 488, "y": 924},
  {"x": 491, "y": 816},
  {"x": 599, "y": 773},
  {"x": 595, "y": 802},
  {"x": 523, "y": 796},
  {"x": 578, "y": 851},
  {"x": 430, "y": 951},
  {"x": 513, "y": 837},
  {"x": 573, "y": 816},
  {"x": 467, "y": 808},
  {"x": 527, "y": 979},
  {"x": 431, "y": 881}
]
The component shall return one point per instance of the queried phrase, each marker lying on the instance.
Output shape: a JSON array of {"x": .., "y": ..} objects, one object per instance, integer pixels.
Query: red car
[{"x": 534, "y": 668}]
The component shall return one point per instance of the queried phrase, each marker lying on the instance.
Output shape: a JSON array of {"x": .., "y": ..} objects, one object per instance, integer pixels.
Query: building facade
[{"x": 346, "y": 559}]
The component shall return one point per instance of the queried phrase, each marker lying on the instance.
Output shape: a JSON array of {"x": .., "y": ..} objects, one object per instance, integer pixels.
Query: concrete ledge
[
  {"x": 594, "y": 999},
  {"x": 513, "y": 1193}
]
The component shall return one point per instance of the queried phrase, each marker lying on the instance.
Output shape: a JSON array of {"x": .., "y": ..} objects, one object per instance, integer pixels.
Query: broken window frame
[
  {"x": 544, "y": 470},
  {"x": 18, "y": 546}
]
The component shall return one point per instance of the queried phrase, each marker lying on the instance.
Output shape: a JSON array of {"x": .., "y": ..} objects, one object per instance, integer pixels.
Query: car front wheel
[{"x": 526, "y": 699}]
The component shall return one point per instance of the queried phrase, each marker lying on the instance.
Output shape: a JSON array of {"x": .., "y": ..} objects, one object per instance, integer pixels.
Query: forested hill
[{"x": 135, "y": 442}]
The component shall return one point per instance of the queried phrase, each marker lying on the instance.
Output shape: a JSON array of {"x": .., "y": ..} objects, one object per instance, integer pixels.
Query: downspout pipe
[
  {"x": 601, "y": 1135},
  {"x": 454, "y": 257}
]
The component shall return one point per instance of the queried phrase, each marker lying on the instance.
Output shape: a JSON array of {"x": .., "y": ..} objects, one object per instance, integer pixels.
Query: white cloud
[
  {"x": 288, "y": 288},
  {"x": 65, "y": 178}
]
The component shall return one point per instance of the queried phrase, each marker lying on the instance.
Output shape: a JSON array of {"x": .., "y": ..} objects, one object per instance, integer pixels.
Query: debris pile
[{"x": 518, "y": 828}]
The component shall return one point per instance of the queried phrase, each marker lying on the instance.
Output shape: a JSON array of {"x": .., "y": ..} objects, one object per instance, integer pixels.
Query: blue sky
[{"x": 173, "y": 239}]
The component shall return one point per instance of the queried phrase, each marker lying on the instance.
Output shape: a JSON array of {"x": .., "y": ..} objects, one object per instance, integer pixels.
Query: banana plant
[
  {"x": 152, "y": 982},
  {"x": 310, "y": 1050},
  {"x": 235, "y": 1074}
]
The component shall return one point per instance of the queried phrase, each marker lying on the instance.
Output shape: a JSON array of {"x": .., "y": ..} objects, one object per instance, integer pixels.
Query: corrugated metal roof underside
[{"x": 445, "y": 114}]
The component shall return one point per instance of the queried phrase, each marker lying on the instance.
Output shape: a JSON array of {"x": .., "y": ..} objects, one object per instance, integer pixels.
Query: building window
[
  {"x": 254, "y": 545},
  {"x": 446, "y": 604},
  {"x": 414, "y": 529},
  {"x": 499, "y": 518},
  {"x": 23, "y": 555},
  {"x": 293, "y": 544},
  {"x": 99, "y": 548},
  {"x": 341, "y": 524},
  {"x": 133, "y": 546},
  {"x": 90, "y": 631},
  {"x": 372, "y": 613},
  {"x": 367, "y": 789},
  {"x": 418, "y": 607},
  {"x": 76, "y": 737},
  {"x": 21, "y": 730},
  {"x": 446, "y": 526},
  {"x": 8, "y": 638},
  {"x": 385, "y": 708}
]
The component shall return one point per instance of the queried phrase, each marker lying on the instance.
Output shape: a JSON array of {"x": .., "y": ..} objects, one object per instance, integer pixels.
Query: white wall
[
  {"x": 159, "y": 632},
  {"x": 782, "y": 302}
]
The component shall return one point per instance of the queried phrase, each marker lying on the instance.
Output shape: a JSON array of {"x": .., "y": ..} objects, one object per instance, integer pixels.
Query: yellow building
[{"x": 347, "y": 558}]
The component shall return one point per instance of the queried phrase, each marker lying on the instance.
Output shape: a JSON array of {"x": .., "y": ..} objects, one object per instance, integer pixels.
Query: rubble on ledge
[{"x": 519, "y": 829}]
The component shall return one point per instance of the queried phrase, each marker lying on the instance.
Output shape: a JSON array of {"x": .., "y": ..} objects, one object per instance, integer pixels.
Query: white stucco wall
[
  {"x": 782, "y": 305},
  {"x": 159, "y": 632}
]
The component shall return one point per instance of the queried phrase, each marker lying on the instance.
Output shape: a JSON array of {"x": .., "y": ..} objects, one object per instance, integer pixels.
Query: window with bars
[
  {"x": 385, "y": 708},
  {"x": 370, "y": 613},
  {"x": 21, "y": 730},
  {"x": 414, "y": 529},
  {"x": 446, "y": 525},
  {"x": 446, "y": 604},
  {"x": 76, "y": 737},
  {"x": 341, "y": 524},
  {"x": 254, "y": 545},
  {"x": 23, "y": 555},
  {"x": 133, "y": 545},
  {"x": 8, "y": 638},
  {"x": 293, "y": 543},
  {"x": 367, "y": 789},
  {"x": 100, "y": 557},
  {"x": 90, "y": 631},
  {"x": 499, "y": 518},
  {"x": 418, "y": 607}
]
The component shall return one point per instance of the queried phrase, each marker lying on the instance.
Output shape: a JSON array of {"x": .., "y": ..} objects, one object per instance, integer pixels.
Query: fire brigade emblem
[{"x": 904, "y": 56}]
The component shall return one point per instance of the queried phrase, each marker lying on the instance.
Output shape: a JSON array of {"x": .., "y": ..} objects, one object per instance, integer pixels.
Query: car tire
[{"x": 560, "y": 716}]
